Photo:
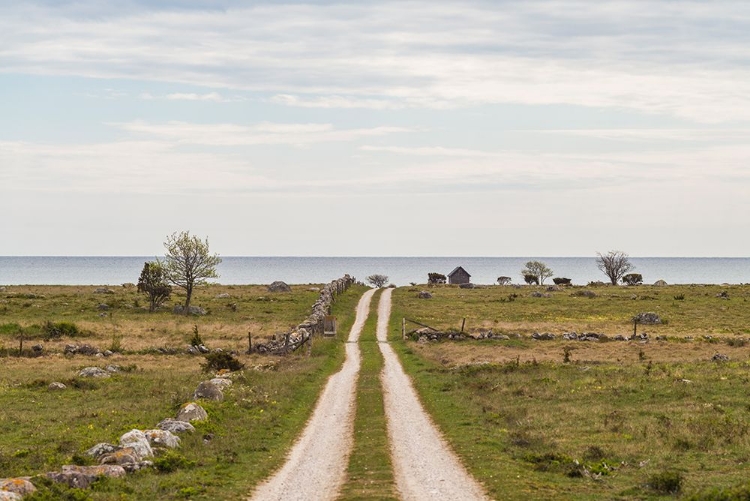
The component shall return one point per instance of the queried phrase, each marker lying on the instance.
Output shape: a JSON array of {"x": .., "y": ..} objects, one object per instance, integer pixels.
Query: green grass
[
  {"x": 605, "y": 429},
  {"x": 250, "y": 431},
  {"x": 370, "y": 473}
]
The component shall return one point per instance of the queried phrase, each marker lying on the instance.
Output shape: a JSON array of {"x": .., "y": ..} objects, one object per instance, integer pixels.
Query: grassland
[
  {"x": 619, "y": 419},
  {"x": 246, "y": 436}
]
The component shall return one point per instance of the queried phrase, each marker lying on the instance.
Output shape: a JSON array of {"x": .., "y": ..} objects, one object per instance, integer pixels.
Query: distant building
[{"x": 459, "y": 276}]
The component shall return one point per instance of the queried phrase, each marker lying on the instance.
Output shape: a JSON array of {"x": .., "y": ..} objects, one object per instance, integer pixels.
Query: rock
[
  {"x": 113, "y": 368},
  {"x": 660, "y": 283},
  {"x": 279, "y": 286},
  {"x": 222, "y": 382},
  {"x": 56, "y": 386},
  {"x": 553, "y": 288},
  {"x": 193, "y": 310},
  {"x": 202, "y": 348},
  {"x": 127, "y": 457},
  {"x": 175, "y": 426},
  {"x": 139, "y": 442},
  {"x": 20, "y": 486},
  {"x": 223, "y": 295},
  {"x": 718, "y": 357},
  {"x": 539, "y": 294},
  {"x": 93, "y": 372},
  {"x": 192, "y": 412},
  {"x": 424, "y": 295},
  {"x": 108, "y": 353},
  {"x": 9, "y": 496},
  {"x": 81, "y": 349},
  {"x": 103, "y": 307},
  {"x": 466, "y": 286},
  {"x": 37, "y": 348},
  {"x": 81, "y": 476},
  {"x": 543, "y": 337},
  {"x": 104, "y": 290},
  {"x": 647, "y": 318},
  {"x": 162, "y": 438},
  {"x": 208, "y": 391},
  {"x": 102, "y": 449},
  {"x": 192, "y": 350}
]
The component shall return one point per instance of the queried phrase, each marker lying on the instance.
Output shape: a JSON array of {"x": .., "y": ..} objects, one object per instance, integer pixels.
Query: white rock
[{"x": 138, "y": 441}]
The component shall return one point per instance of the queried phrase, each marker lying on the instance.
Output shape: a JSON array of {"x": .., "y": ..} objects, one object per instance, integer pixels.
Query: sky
[{"x": 435, "y": 128}]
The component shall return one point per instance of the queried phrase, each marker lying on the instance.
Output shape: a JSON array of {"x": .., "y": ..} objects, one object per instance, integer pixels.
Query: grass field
[
  {"x": 618, "y": 420},
  {"x": 246, "y": 436}
]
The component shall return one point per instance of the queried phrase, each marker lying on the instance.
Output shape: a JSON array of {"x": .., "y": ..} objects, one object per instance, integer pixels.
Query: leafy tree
[
  {"x": 531, "y": 279},
  {"x": 436, "y": 278},
  {"x": 632, "y": 279},
  {"x": 503, "y": 280},
  {"x": 615, "y": 264},
  {"x": 377, "y": 280},
  {"x": 538, "y": 270},
  {"x": 187, "y": 263},
  {"x": 153, "y": 283}
]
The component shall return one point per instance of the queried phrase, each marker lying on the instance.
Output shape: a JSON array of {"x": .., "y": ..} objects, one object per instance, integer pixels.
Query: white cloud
[
  {"x": 686, "y": 59},
  {"x": 211, "y": 96}
]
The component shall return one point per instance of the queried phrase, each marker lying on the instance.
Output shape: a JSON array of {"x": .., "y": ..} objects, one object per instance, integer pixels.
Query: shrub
[
  {"x": 221, "y": 360},
  {"x": 196, "y": 339},
  {"x": 436, "y": 278},
  {"x": 503, "y": 280},
  {"x": 561, "y": 281},
  {"x": 666, "y": 482},
  {"x": 632, "y": 279},
  {"x": 59, "y": 329},
  {"x": 171, "y": 461},
  {"x": 531, "y": 279}
]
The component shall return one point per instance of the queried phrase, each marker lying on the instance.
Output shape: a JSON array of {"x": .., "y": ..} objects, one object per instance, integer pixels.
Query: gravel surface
[
  {"x": 316, "y": 466},
  {"x": 425, "y": 467}
]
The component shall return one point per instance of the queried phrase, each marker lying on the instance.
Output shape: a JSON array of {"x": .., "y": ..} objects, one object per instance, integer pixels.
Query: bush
[
  {"x": 561, "y": 281},
  {"x": 503, "y": 280},
  {"x": 666, "y": 482},
  {"x": 171, "y": 461},
  {"x": 59, "y": 329},
  {"x": 632, "y": 279},
  {"x": 531, "y": 279},
  {"x": 436, "y": 278},
  {"x": 196, "y": 339},
  {"x": 221, "y": 360}
]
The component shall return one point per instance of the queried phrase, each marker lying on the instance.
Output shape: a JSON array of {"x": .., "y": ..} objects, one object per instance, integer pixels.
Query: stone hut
[{"x": 459, "y": 276}]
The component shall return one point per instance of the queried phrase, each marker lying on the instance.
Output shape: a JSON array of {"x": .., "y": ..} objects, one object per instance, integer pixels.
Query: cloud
[
  {"x": 683, "y": 59},
  {"x": 211, "y": 96}
]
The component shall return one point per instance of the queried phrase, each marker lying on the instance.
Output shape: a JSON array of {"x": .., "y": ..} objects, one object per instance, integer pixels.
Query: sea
[{"x": 237, "y": 270}]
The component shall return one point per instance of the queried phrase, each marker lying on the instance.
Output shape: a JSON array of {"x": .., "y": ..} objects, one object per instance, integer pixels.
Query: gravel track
[
  {"x": 425, "y": 467},
  {"x": 316, "y": 466}
]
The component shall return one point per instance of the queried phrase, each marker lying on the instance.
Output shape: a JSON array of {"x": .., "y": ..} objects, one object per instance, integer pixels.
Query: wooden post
[
  {"x": 635, "y": 327},
  {"x": 249, "y": 342},
  {"x": 403, "y": 329},
  {"x": 462, "y": 325}
]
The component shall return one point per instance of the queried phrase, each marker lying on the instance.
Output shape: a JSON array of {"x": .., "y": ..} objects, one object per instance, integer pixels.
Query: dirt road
[
  {"x": 425, "y": 467},
  {"x": 316, "y": 467}
]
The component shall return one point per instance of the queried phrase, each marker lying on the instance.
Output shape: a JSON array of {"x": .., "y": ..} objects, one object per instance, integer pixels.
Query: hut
[{"x": 459, "y": 276}]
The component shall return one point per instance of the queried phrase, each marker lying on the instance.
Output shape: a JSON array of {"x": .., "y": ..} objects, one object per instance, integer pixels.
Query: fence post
[
  {"x": 403, "y": 329},
  {"x": 249, "y": 342}
]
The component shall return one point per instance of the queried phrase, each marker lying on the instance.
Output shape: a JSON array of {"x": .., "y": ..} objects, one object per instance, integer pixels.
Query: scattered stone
[
  {"x": 93, "y": 372},
  {"x": 208, "y": 391},
  {"x": 660, "y": 283},
  {"x": 81, "y": 349},
  {"x": 223, "y": 295},
  {"x": 584, "y": 293},
  {"x": 539, "y": 294},
  {"x": 104, "y": 290},
  {"x": 138, "y": 441},
  {"x": 162, "y": 438},
  {"x": 56, "y": 386},
  {"x": 424, "y": 295},
  {"x": 126, "y": 457},
  {"x": 723, "y": 295},
  {"x": 279, "y": 286},
  {"x": 193, "y": 310},
  {"x": 543, "y": 337},
  {"x": 192, "y": 350},
  {"x": 553, "y": 288},
  {"x": 192, "y": 412},
  {"x": 648, "y": 318},
  {"x": 37, "y": 348},
  {"x": 222, "y": 382},
  {"x": 82, "y": 476},
  {"x": 175, "y": 426},
  {"x": 718, "y": 357},
  {"x": 103, "y": 307},
  {"x": 202, "y": 348},
  {"x": 102, "y": 449},
  {"x": 20, "y": 486},
  {"x": 113, "y": 368},
  {"x": 108, "y": 353}
]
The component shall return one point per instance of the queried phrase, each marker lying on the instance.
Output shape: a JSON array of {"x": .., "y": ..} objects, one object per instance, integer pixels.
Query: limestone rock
[
  {"x": 175, "y": 426},
  {"x": 660, "y": 283},
  {"x": 104, "y": 290},
  {"x": 102, "y": 449},
  {"x": 9, "y": 496},
  {"x": 647, "y": 318},
  {"x": 20, "y": 486},
  {"x": 93, "y": 372},
  {"x": 279, "y": 286},
  {"x": 221, "y": 382},
  {"x": 192, "y": 412},
  {"x": 56, "y": 386},
  {"x": 424, "y": 295},
  {"x": 162, "y": 438},
  {"x": 208, "y": 391},
  {"x": 138, "y": 441},
  {"x": 126, "y": 457},
  {"x": 193, "y": 310},
  {"x": 80, "y": 477},
  {"x": 223, "y": 295}
]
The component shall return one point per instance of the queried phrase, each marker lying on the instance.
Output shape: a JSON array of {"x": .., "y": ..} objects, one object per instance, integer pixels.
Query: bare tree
[
  {"x": 378, "y": 280},
  {"x": 536, "y": 269},
  {"x": 187, "y": 263},
  {"x": 615, "y": 264},
  {"x": 153, "y": 283}
]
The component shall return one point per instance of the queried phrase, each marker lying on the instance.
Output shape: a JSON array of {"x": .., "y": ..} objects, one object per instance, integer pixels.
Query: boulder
[
  {"x": 175, "y": 426},
  {"x": 162, "y": 438},
  {"x": 647, "y": 318},
  {"x": 192, "y": 412},
  {"x": 101, "y": 449},
  {"x": 660, "y": 283},
  {"x": 80, "y": 477},
  {"x": 424, "y": 295},
  {"x": 9, "y": 496},
  {"x": 223, "y": 295},
  {"x": 138, "y": 441},
  {"x": 543, "y": 337},
  {"x": 279, "y": 286},
  {"x": 93, "y": 372},
  {"x": 20, "y": 486},
  {"x": 208, "y": 391},
  {"x": 102, "y": 307},
  {"x": 104, "y": 290},
  {"x": 718, "y": 357},
  {"x": 56, "y": 386},
  {"x": 193, "y": 310},
  {"x": 126, "y": 457},
  {"x": 221, "y": 382}
]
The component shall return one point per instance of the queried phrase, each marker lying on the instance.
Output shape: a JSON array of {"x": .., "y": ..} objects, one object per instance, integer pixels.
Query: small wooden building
[{"x": 459, "y": 276}]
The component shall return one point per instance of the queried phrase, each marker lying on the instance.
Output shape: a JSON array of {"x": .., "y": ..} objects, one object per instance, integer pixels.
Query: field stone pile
[{"x": 313, "y": 324}]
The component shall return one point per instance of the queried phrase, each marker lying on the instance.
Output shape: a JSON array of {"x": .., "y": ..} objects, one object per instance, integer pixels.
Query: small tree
[
  {"x": 378, "y": 280},
  {"x": 188, "y": 264},
  {"x": 503, "y": 280},
  {"x": 538, "y": 270},
  {"x": 615, "y": 264},
  {"x": 632, "y": 279},
  {"x": 436, "y": 278},
  {"x": 153, "y": 283}
]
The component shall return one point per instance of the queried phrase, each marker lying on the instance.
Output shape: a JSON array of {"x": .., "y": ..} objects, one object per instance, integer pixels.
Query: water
[{"x": 100, "y": 270}]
